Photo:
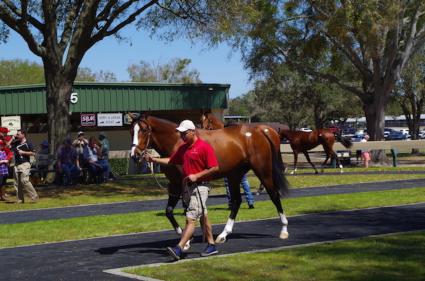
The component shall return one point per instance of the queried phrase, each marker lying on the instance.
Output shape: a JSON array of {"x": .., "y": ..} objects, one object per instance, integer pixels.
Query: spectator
[
  {"x": 23, "y": 150},
  {"x": 9, "y": 154},
  {"x": 365, "y": 153},
  {"x": 68, "y": 163},
  {"x": 92, "y": 153},
  {"x": 104, "y": 142},
  {"x": 42, "y": 159},
  {"x": 4, "y": 169},
  {"x": 79, "y": 143},
  {"x": 247, "y": 191}
]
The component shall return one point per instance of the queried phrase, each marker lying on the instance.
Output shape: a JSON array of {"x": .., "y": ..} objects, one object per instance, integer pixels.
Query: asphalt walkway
[{"x": 87, "y": 259}]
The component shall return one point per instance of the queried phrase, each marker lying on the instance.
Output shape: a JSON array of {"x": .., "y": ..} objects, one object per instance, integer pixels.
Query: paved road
[
  {"x": 129, "y": 207},
  {"x": 86, "y": 259}
]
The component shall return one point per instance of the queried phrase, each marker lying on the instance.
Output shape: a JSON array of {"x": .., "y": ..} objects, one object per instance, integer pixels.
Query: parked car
[
  {"x": 357, "y": 138},
  {"x": 306, "y": 130},
  {"x": 422, "y": 134},
  {"x": 396, "y": 135},
  {"x": 387, "y": 131},
  {"x": 348, "y": 132}
]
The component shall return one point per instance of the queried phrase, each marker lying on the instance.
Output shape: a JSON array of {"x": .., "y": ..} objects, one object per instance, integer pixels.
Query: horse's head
[
  {"x": 210, "y": 122},
  {"x": 141, "y": 136}
]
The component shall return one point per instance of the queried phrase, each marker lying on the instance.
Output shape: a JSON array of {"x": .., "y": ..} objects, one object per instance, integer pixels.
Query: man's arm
[
  {"x": 162, "y": 161},
  {"x": 207, "y": 173}
]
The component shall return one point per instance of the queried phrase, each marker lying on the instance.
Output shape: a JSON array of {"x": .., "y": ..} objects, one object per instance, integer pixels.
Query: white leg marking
[
  {"x": 226, "y": 231},
  {"x": 284, "y": 232},
  {"x": 179, "y": 230}
]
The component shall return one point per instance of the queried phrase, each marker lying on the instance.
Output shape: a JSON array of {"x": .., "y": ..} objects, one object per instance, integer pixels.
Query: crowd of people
[{"x": 72, "y": 158}]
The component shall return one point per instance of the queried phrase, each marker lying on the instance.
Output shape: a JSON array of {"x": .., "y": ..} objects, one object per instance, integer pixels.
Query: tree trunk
[
  {"x": 58, "y": 92},
  {"x": 375, "y": 121}
]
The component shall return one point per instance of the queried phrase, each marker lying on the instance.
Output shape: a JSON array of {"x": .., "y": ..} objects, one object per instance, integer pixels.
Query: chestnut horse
[
  {"x": 304, "y": 141},
  {"x": 210, "y": 122},
  {"x": 238, "y": 149}
]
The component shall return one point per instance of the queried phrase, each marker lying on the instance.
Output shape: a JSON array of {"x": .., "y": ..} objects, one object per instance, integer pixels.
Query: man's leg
[
  {"x": 25, "y": 180},
  {"x": 17, "y": 184},
  {"x": 247, "y": 190},
  {"x": 187, "y": 232},
  {"x": 207, "y": 229}
]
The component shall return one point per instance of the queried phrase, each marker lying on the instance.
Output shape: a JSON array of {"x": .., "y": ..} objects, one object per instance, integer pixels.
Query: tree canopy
[
  {"x": 361, "y": 46},
  {"x": 20, "y": 72},
  {"x": 61, "y": 33},
  {"x": 175, "y": 71}
]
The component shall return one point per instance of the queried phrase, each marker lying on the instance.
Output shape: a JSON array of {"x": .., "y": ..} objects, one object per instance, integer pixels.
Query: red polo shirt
[{"x": 196, "y": 158}]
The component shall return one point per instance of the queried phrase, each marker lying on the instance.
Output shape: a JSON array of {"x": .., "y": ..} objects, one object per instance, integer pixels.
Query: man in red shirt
[{"x": 198, "y": 163}]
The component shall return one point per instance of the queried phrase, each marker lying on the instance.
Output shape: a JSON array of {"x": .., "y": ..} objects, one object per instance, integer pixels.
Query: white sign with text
[
  {"x": 109, "y": 119},
  {"x": 13, "y": 123}
]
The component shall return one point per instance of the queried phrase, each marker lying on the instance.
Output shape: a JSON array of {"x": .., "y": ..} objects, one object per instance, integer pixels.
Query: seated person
[
  {"x": 79, "y": 143},
  {"x": 42, "y": 159},
  {"x": 68, "y": 164},
  {"x": 104, "y": 158},
  {"x": 92, "y": 155}
]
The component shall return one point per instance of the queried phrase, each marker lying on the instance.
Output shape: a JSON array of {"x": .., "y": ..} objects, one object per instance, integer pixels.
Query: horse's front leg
[
  {"x": 309, "y": 161},
  {"x": 236, "y": 200},
  {"x": 169, "y": 212},
  {"x": 295, "y": 162}
]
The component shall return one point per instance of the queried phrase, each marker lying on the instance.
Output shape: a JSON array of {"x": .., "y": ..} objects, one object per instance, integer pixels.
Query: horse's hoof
[
  {"x": 284, "y": 235},
  {"x": 293, "y": 172},
  {"x": 220, "y": 239},
  {"x": 316, "y": 172}
]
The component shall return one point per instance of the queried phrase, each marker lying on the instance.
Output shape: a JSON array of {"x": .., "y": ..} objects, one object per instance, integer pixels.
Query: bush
[{"x": 119, "y": 165}]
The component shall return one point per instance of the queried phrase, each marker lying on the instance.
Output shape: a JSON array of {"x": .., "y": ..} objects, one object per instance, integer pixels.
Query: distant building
[{"x": 96, "y": 107}]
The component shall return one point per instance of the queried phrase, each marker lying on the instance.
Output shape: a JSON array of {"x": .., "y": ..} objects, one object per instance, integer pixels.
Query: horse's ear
[{"x": 133, "y": 116}]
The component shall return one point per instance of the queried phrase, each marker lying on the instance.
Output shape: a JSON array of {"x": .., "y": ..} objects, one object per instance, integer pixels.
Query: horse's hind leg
[
  {"x": 275, "y": 197},
  {"x": 309, "y": 161},
  {"x": 236, "y": 200},
  {"x": 266, "y": 179}
]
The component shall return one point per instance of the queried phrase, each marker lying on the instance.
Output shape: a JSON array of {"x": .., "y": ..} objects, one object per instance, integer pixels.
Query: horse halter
[{"x": 144, "y": 130}]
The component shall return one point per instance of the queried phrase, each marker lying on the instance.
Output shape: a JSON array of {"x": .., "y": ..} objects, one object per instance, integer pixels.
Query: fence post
[{"x": 394, "y": 153}]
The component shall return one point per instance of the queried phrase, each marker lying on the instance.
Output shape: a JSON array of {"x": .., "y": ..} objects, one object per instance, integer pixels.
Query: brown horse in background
[
  {"x": 238, "y": 149},
  {"x": 210, "y": 122},
  {"x": 304, "y": 141}
]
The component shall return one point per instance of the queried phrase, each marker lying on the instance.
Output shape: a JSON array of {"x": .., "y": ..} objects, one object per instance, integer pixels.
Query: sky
[{"x": 218, "y": 65}]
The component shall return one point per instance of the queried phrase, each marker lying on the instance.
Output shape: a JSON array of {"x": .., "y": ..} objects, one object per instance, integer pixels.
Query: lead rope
[{"x": 152, "y": 170}]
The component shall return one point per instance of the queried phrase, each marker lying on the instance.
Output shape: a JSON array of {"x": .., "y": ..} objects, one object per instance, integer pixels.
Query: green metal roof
[{"x": 115, "y": 97}]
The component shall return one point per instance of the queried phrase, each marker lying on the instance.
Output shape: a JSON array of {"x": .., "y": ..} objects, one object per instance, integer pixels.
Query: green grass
[
  {"x": 96, "y": 226},
  {"x": 390, "y": 258},
  {"x": 138, "y": 188}
]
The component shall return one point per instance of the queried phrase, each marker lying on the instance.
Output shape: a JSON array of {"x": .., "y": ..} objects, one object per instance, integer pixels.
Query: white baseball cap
[{"x": 185, "y": 125}]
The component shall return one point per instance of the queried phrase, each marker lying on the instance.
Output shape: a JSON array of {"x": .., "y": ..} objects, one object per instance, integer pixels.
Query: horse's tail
[
  {"x": 345, "y": 141},
  {"x": 279, "y": 178}
]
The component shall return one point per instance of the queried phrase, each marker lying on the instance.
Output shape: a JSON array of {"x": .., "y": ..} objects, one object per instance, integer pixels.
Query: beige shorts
[{"x": 198, "y": 199}]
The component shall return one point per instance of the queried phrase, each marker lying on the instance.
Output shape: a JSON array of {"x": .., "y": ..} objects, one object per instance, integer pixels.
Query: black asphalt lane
[
  {"x": 149, "y": 205},
  {"x": 86, "y": 259}
]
